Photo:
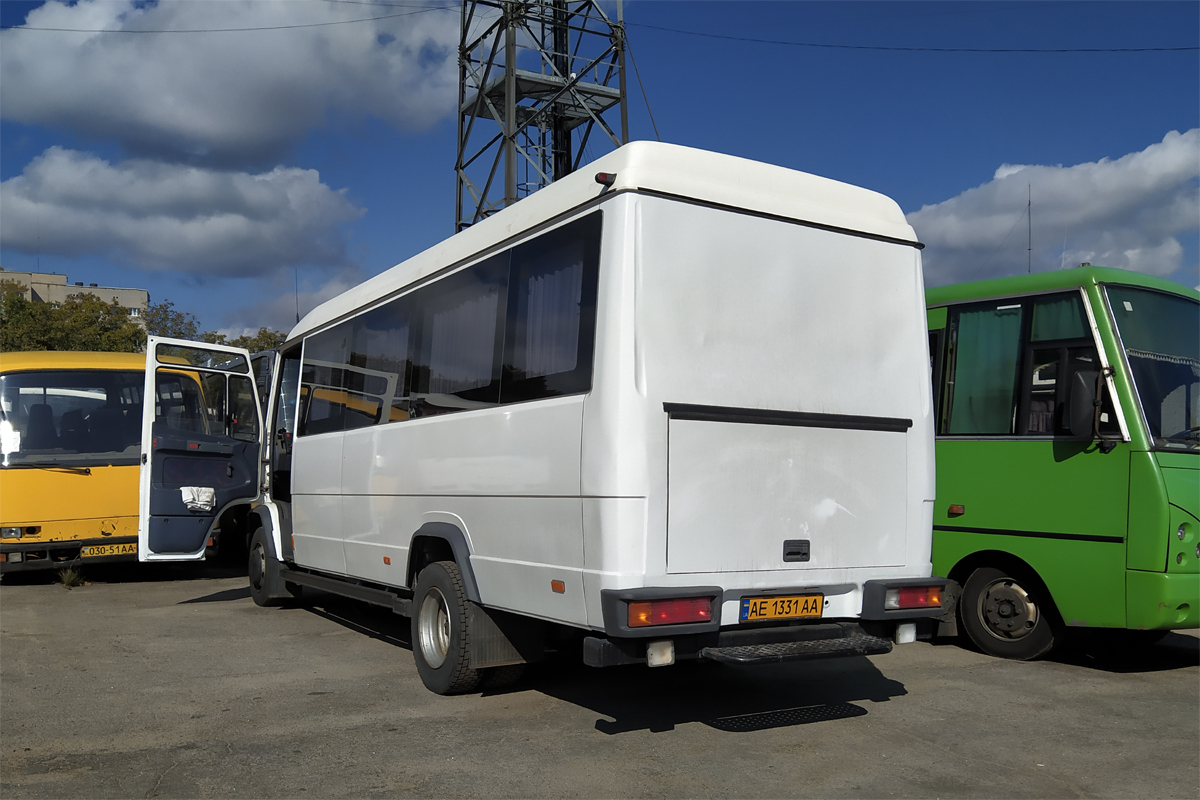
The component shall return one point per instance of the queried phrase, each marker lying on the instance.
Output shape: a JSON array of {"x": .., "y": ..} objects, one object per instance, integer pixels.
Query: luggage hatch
[{"x": 756, "y": 491}]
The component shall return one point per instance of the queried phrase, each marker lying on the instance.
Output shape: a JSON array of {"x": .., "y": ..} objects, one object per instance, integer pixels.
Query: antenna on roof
[
  {"x": 1029, "y": 216},
  {"x": 296, "y": 273}
]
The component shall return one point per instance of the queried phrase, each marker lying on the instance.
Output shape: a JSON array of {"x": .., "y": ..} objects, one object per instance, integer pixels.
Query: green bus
[{"x": 1068, "y": 455}]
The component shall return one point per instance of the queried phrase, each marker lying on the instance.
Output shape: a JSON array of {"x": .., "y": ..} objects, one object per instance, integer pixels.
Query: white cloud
[
  {"x": 1127, "y": 212},
  {"x": 282, "y": 299},
  {"x": 228, "y": 98},
  {"x": 172, "y": 217}
]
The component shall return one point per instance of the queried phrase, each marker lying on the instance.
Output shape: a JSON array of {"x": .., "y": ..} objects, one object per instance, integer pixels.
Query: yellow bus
[{"x": 70, "y": 425}]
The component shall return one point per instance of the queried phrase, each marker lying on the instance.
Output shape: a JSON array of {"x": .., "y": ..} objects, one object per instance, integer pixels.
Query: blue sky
[{"x": 220, "y": 170}]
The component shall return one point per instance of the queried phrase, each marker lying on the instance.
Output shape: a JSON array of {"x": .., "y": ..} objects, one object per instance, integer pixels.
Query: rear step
[
  {"x": 751, "y": 645},
  {"x": 854, "y": 645}
]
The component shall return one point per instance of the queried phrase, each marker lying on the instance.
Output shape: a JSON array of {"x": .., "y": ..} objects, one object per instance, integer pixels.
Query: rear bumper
[
  {"x": 750, "y": 646},
  {"x": 1161, "y": 601},
  {"x": 615, "y": 605},
  {"x": 755, "y": 642},
  {"x": 39, "y": 555}
]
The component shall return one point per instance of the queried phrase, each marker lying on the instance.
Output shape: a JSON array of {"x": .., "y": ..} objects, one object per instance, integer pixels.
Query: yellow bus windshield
[{"x": 77, "y": 417}]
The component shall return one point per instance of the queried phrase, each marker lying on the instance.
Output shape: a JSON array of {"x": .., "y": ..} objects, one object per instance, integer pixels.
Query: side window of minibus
[
  {"x": 457, "y": 362},
  {"x": 1060, "y": 345},
  {"x": 552, "y": 313},
  {"x": 322, "y": 381},
  {"x": 380, "y": 363},
  {"x": 1010, "y": 364},
  {"x": 984, "y": 358},
  {"x": 935, "y": 363}
]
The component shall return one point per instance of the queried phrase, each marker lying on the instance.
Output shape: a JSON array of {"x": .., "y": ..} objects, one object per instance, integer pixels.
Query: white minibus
[{"x": 675, "y": 406}]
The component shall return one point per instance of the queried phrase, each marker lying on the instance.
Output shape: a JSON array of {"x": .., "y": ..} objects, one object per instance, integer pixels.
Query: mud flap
[
  {"x": 947, "y": 623},
  {"x": 499, "y": 638}
]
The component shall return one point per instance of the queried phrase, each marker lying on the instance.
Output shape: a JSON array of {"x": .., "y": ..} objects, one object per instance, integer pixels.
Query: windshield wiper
[{"x": 48, "y": 465}]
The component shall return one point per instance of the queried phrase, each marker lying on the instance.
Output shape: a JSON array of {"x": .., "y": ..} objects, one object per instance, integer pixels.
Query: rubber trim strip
[
  {"x": 1076, "y": 537},
  {"x": 799, "y": 419},
  {"x": 821, "y": 226}
]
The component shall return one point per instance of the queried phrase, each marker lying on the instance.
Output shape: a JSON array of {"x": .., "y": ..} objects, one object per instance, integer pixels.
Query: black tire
[
  {"x": 267, "y": 587},
  {"x": 441, "y": 634},
  {"x": 1006, "y": 615}
]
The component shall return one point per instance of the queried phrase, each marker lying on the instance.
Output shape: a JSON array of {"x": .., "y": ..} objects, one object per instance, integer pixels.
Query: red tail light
[
  {"x": 669, "y": 612},
  {"x": 913, "y": 597}
]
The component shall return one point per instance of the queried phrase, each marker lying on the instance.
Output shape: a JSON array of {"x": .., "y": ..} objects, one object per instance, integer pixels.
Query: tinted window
[
  {"x": 332, "y": 395},
  {"x": 457, "y": 366},
  {"x": 518, "y": 326},
  {"x": 380, "y": 359},
  {"x": 552, "y": 312},
  {"x": 1044, "y": 339}
]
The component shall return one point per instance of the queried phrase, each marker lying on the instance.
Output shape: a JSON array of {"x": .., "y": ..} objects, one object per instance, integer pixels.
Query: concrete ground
[{"x": 167, "y": 681}]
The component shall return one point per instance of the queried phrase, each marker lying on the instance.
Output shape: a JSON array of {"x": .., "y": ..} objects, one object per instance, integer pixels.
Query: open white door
[{"x": 201, "y": 439}]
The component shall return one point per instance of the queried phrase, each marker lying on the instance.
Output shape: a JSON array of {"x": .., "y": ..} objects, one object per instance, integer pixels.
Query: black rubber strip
[
  {"x": 801, "y": 419},
  {"x": 1076, "y": 537}
]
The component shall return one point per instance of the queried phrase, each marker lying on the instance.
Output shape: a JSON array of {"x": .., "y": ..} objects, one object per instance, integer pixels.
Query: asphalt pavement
[{"x": 167, "y": 681}]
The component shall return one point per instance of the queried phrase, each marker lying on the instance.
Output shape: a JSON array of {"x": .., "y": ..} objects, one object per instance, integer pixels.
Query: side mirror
[{"x": 1081, "y": 404}]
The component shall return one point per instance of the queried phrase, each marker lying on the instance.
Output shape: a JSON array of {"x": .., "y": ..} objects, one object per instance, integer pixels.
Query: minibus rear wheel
[
  {"x": 441, "y": 632},
  {"x": 1007, "y": 614}
]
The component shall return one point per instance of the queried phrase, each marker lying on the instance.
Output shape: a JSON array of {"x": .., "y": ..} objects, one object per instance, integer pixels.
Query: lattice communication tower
[{"x": 536, "y": 80}]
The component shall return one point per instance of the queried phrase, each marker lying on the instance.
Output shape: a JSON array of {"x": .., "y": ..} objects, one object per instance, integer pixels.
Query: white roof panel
[{"x": 646, "y": 166}]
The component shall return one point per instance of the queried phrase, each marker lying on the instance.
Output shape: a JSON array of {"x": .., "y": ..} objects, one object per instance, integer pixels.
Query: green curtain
[
  {"x": 1058, "y": 316},
  {"x": 987, "y": 353}
]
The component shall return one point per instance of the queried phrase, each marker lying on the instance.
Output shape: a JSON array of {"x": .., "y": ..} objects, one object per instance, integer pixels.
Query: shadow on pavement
[
  {"x": 732, "y": 699},
  {"x": 133, "y": 572},
  {"x": 1128, "y": 651},
  {"x": 378, "y": 623},
  {"x": 220, "y": 597}
]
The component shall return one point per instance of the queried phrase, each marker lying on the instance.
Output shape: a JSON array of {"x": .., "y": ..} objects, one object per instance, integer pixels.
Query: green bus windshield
[{"x": 1161, "y": 336}]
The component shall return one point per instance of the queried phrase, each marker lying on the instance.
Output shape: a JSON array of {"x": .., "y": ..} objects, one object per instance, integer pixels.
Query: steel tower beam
[{"x": 536, "y": 77}]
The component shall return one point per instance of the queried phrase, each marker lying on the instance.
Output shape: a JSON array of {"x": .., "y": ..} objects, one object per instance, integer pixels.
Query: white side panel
[
  {"x": 521, "y": 545},
  {"x": 508, "y": 476},
  {"x": 317, "y": 502},
  {"x": 737, "y": 491},
  {"x": 614, "y": 547}
]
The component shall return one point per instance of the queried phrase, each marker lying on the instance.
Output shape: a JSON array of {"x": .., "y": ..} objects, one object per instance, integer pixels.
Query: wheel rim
[
  {"x": 433, "y": 627},
  {"x": 258, "y": 566},
  {"x": 1007, "y": 610}
]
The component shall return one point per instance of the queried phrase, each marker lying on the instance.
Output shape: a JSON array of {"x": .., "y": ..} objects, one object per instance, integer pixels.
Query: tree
[
  {"x": 83, "y": 322},
  {"x": 265, "y": 339},
  {"x": 23, "y": 323},
  {"x": 163, "y": 320}
]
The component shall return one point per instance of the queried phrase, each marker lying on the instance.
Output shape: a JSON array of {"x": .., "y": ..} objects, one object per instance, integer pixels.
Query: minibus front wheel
[
  {"x": 267, "y": 586},
  {"x": 1008, "y": 615},
  {"x": 441, "y": 620}
]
